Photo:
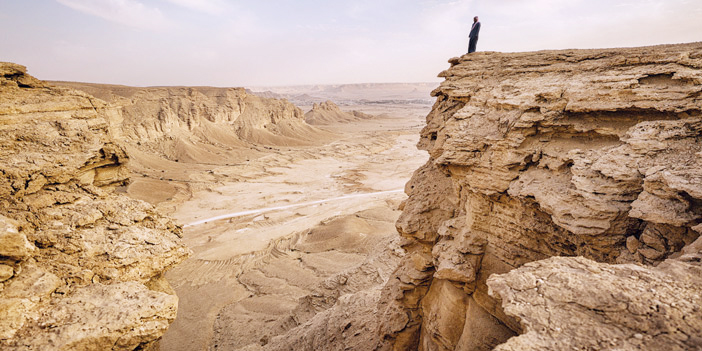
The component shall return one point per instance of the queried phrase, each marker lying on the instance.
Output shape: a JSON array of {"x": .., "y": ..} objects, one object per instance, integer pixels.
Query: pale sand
[{"x": 296, "y": 215}]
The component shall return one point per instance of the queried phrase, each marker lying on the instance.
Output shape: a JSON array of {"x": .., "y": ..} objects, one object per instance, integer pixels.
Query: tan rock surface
[
  {"x": 566, "y": 303},
  {"x": 122, "y": 316},
  {"x": 6, "y": 272},
  {"x": 80, "y": 254},
  {"x": 592, "y": 153},
  {"x": 13, "y": 244}
]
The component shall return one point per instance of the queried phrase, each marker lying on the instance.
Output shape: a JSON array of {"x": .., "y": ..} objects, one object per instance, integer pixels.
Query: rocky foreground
[{"x": 81, "y": 266}]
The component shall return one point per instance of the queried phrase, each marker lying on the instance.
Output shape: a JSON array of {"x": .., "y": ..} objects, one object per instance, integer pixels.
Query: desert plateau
[{"x": 188, "y": 176}]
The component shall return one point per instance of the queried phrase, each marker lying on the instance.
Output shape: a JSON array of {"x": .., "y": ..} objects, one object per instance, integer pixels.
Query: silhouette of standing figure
[{"x": 474, "y": 30}]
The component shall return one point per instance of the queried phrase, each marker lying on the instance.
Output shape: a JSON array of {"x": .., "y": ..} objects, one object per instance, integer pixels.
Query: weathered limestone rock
[
  {"x": 133, "y": 318},
  {"x": 13, "y": 314},
  {"x": 590, "y": 153},
  {"x": 348, "y": 325},
  {"x": 575, "y": 303},
  {"x": 443, "y": 308},
  {"x": 75, "y": 256},
  {"x": 33, "y": 282},
  {"x": 6, "y": 272},
  {"x": 13, "y": 244}
]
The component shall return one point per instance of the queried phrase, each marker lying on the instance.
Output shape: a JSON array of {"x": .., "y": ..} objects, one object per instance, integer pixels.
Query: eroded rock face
[
  {"x": 567, "y": 303},
  {"x": 589, "y": 153},
  {"x": 76, "y": 258},
  {"x": 201, "y": 124}
]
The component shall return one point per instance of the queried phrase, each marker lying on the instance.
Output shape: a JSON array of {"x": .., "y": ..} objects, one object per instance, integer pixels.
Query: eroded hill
[
  {"x": 202, "y": 124},
  {"x": 329, "y": 113}
]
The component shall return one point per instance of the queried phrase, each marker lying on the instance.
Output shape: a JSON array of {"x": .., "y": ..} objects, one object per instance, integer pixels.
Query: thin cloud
[
  {"x": 212, "y": 7},
  {"x": 130, "y": 13}
]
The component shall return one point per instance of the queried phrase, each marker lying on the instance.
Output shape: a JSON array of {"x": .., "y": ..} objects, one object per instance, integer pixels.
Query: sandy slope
[{"x": 252, "y": 275}]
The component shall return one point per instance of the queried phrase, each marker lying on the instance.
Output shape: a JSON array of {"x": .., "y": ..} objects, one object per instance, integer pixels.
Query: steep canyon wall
[{"x": 588, "y": 153}]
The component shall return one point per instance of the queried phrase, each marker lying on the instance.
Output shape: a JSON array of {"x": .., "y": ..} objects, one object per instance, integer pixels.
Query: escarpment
[
  {"x": 201, "y": 124},
  {"x": 81, "y": 265},
  {"x": 588, "y": 153}
]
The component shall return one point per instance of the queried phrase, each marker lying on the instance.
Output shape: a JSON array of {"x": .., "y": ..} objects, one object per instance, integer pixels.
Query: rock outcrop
[
  {"x": 593, "y": 154},
  {"x": 567, "y": 303},
  {"x": 81, "y": 265},
  {"x": 329, "y": 113}
]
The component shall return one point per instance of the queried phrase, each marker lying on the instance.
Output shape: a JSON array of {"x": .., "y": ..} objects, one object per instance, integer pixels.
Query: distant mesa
[
  {"x": 265, "y": 94},
  {"x": 329, "y": 113},
  {"x": 353, "y": 94}
]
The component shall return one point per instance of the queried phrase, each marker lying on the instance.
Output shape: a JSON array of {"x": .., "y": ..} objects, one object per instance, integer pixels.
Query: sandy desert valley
[
  {"x": 301, "y": 215},
  {"x": 261, "y": 273}
]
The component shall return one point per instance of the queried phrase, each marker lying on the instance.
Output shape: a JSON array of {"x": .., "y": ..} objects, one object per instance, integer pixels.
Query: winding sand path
[{"x": 268, "y": 209}]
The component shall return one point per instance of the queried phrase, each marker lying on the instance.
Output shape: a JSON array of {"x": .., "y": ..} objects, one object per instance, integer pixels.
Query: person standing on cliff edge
[{"x": 474, "y": 30}]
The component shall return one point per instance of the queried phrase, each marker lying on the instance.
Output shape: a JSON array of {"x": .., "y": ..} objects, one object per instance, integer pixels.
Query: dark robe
[{"x": 473, "y": 42}]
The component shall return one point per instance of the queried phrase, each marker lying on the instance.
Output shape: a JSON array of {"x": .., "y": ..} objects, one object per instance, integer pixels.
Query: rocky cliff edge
[
  {"x": 561, "y": 204},
  {"x": 81, "y": 265}
]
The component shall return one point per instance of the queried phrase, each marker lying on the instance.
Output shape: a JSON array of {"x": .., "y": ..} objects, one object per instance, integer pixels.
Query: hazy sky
[{"x": 285, "y": 42}]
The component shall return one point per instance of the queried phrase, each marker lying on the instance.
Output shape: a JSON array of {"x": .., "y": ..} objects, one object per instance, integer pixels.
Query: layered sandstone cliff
[
  {"x": 201, "y": 124},
  {"x": 588, "y": 153},
  {"x": 81, "y": 265}
]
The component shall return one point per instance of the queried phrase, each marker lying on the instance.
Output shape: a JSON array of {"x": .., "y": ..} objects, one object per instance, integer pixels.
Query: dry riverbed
[{"x": 295, "y": 219}]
